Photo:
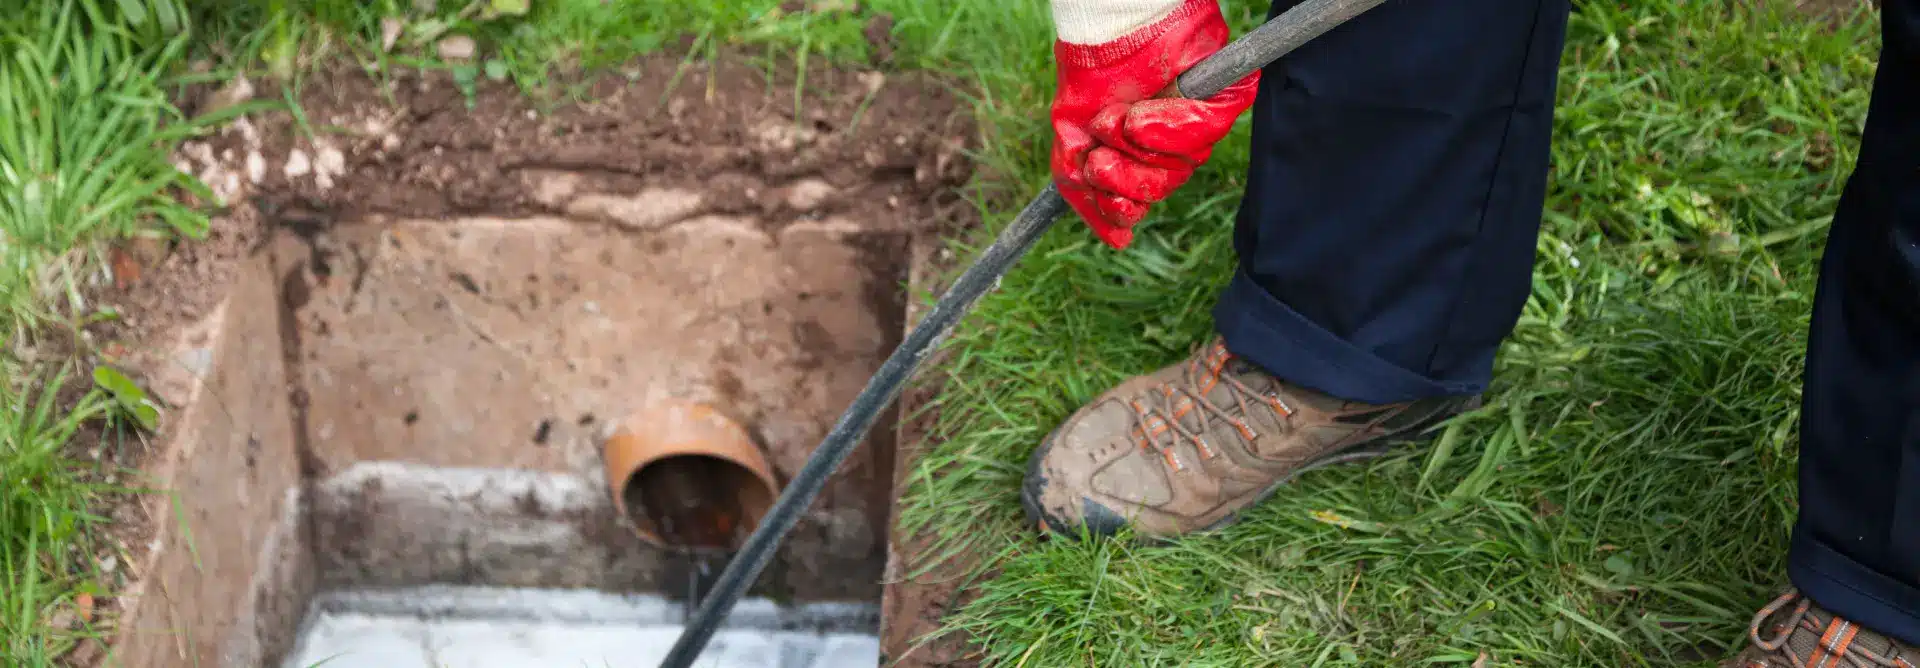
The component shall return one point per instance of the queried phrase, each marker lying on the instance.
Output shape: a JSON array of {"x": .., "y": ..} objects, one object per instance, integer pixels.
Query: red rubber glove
[{"x": 1116, "y": 151}]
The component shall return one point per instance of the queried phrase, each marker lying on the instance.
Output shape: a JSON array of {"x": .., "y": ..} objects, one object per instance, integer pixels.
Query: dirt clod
[
  {"x": 390, "y": 29},
  {"x": 298, "y": 164},
  {"x": 808, "y": 194},
  {"x": 457, "y": 47}
]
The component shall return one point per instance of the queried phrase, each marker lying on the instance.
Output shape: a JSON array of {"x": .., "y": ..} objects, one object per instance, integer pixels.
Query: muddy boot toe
[{"x": 1188, "y": 447}]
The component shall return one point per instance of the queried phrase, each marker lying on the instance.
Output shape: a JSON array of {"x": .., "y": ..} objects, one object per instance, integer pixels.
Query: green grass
[
  {"x": 1623, "y": 499},
  {"x": 85, "y": 127},
  {"x": 81, "y": 151},
  {"x": 44, "y": 500}
]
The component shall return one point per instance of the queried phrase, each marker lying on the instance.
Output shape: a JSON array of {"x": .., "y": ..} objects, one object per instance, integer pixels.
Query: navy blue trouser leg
[
  {"x": 1386, "y": 246},
  {"x": 1856, "y": 548},
  {"x": 1398, "y": 172}
]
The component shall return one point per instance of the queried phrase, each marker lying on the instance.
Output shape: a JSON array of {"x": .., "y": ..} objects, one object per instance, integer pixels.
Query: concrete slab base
[{"x": 485, "y": 627}]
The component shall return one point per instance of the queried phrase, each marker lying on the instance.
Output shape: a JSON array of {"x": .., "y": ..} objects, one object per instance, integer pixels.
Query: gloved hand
[{"x": 1116, "y": 151}]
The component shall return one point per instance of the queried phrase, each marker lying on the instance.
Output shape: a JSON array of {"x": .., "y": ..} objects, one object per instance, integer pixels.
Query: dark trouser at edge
[
  {"x": 1387, "y": 235},
  {"x": 1856, "y": 548}
]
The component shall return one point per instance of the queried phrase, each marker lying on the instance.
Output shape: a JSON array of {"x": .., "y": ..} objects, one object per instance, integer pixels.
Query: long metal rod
[{"x": 1252, "y": 51}]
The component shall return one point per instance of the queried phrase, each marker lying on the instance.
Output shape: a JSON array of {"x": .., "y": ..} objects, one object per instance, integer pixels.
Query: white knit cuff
[{"x": 1101, "y": 21}]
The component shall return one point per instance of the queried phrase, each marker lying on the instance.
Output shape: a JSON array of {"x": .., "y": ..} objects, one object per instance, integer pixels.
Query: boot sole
[{"x": 1364, "y": 450}]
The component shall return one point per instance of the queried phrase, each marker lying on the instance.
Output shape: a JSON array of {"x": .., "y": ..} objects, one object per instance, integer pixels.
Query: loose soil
[
  {"x": 672, "y": 177},
  {"x": 412, "y": 144}
]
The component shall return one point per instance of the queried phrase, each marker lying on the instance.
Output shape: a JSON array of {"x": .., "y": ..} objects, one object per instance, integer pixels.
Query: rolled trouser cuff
[
  {"x": 1853, "y": 591},
  {"x": 1267, "y": 332}
]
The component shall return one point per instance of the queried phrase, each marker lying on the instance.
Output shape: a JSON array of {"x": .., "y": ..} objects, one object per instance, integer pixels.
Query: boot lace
[
  {"x": 1836, "y": 643},
  {"x": 1157, "y": 415}
]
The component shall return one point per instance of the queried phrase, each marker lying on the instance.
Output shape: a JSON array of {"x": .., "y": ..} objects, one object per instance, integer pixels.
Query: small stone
[
  {"x": 297, "y": 164},
  {"x": 808, "y": 194},
  {"x": 62, "y": 621},
  {"x": 390, "y": 29},
  {"x": 331, "y": 162},
  {"x": 235, "y": 92},
  {"x": 457, "y": 47},
  {"x": 109, "y": 564},
  {"x": 256, "y": 167},
  {"x": 229, "y": 188},
  {"x": 248, "y": 133},
  {"x": 200, "y": 153},
  {"x": 872, "y": 81}
]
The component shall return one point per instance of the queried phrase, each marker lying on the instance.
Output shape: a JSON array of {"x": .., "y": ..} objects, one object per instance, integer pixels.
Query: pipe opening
[
  {"x": 686, "y": 476},
  {"x": 697, "y": 502}
]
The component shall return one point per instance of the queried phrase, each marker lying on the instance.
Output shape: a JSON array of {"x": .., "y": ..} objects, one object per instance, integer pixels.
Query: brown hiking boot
[
  {"x": 1188, "y": 447},
  {"x": 1793, "y": 632}
]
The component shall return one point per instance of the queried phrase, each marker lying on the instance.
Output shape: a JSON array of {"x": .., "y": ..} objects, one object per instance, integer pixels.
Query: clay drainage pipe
[{"x": 688, "y": 477}]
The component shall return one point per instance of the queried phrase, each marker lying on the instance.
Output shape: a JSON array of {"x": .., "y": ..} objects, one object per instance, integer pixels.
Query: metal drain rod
[
  {"x": 1235, "y": 61},
  {"x": 700, "y": 578}
]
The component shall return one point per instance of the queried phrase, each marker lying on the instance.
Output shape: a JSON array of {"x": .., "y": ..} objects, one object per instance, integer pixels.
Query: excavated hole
[
  {"x": 459, "y": 375},
  {"x": 468, "y": 295}
]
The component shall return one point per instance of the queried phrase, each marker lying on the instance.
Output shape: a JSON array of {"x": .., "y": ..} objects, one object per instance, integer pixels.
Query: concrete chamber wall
[{"x": 227, "y": 574}]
